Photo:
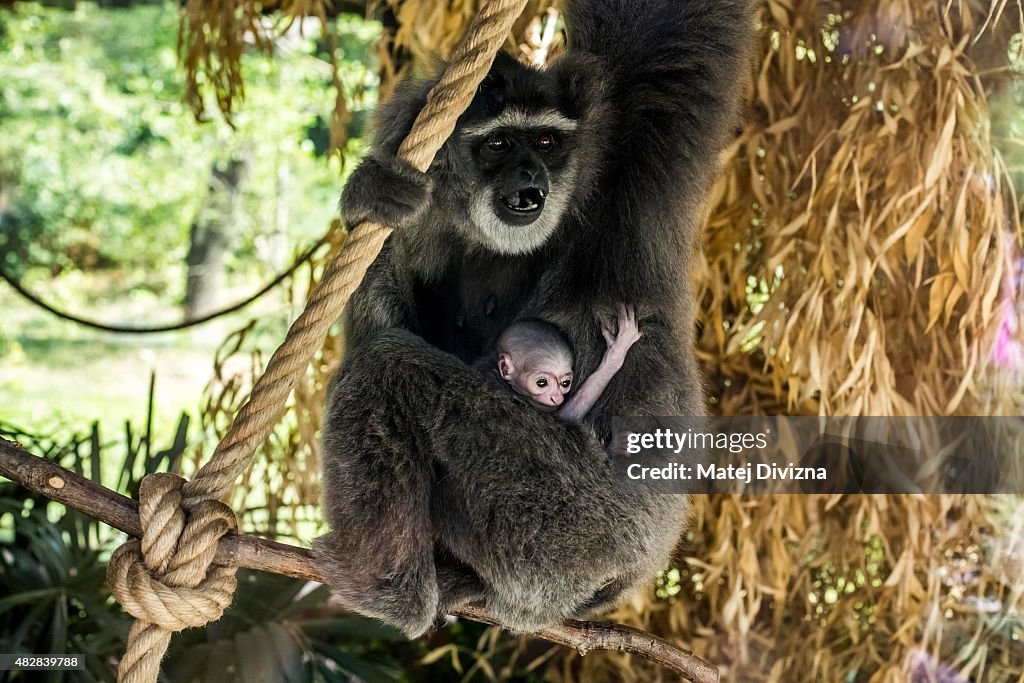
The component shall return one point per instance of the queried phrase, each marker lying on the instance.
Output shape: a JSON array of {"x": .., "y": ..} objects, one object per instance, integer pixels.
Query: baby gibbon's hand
[{"x": 628, "y": 332}]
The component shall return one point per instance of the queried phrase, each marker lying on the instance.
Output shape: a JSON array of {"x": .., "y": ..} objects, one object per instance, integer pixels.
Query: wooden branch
[{"x": 81, "y": 494}]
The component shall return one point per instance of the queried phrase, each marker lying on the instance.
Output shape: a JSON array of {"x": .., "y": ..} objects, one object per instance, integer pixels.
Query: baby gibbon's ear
[{"x": 505, "y": 366}]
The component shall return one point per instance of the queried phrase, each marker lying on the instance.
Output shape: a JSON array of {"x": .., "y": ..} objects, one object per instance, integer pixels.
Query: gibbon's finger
[
  {"x": 630, "y": 320},
  {"x": 607, "y": 334}
]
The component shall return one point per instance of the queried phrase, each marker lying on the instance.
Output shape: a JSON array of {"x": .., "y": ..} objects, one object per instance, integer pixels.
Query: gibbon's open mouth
[{"x": 522, "y": 207}]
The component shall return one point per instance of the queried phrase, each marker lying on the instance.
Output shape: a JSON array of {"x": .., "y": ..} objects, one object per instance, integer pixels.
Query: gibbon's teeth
[{"x": 525, "y": 201}]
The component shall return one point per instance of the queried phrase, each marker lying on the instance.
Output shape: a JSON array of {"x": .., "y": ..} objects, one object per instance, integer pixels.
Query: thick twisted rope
[{"x": 166, "y": 582}]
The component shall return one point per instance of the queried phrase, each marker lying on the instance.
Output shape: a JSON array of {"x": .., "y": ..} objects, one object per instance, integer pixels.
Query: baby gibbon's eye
[
  {"x": 542, "y": 382},
  {"x": 497, "y": 143},
  {"x": 566, "y": 383}
]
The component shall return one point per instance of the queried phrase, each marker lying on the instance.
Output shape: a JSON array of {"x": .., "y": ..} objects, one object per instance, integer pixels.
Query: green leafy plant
[
  {"x": 55, "y": 599},
  {"x": 104, "y": 168},
  {"x": 53, "y": 578},
  {"x": 278, "y": 629}
]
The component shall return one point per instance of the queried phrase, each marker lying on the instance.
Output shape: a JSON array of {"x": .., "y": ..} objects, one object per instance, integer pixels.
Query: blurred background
[{"x": 161, "y": 162}]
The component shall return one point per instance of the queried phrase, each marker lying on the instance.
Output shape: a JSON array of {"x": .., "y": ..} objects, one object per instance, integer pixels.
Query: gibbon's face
[
  {"x": 544, "y": 379},
  {"x": 516, "y": 154}
]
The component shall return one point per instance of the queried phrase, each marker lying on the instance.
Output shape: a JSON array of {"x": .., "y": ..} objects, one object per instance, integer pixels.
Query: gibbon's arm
[
  {"x": 640, "y": 389},
  {"x": 576, "y": 408},
  {"x": 383, "y": 300},
  {"x": 388, "y": 191},
  {"x": 619, "y": 343},
  {"x": 675, "y": 71}
]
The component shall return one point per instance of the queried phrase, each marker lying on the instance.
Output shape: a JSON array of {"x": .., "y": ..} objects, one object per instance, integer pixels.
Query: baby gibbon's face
[{"x": 545, "y": 380}]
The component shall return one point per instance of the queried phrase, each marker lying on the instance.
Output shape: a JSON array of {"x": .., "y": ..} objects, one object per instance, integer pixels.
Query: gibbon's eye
[
  {"x": 566, "y": 383},
  {"x": 542, "y": 382},
  {"x": 545, "y": 142},
  {"x": 497, "y": 143}
]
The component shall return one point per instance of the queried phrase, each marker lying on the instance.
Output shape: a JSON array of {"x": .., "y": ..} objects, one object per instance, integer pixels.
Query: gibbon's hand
[
  {"x": 390, "y": 192},
  {"x": 628, "y": 333}
]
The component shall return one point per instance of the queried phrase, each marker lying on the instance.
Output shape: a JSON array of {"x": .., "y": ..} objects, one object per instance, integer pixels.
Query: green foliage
[
  {"x": 54, "y": 587},
  {"x": 54, "y": 598},
  {"x": 102, "y": 166},
  {"x": 53, "y": 568},
  {"x": 103, "y": 169},
  {"x": 272, "y": 632}
]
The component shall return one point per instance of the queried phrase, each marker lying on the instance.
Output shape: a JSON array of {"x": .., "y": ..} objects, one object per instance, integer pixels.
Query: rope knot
[{"x": 166, "y": 579}]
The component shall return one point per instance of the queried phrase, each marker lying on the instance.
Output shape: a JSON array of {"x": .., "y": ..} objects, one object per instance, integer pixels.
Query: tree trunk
[{"x": 220, "y": 215}]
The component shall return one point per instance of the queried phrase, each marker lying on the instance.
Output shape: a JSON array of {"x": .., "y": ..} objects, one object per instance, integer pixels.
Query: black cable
[{"x": 123, "y": 329}]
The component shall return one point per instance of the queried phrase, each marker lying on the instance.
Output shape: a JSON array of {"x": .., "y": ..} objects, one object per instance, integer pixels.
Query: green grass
[{"x": 56, "y": 375}]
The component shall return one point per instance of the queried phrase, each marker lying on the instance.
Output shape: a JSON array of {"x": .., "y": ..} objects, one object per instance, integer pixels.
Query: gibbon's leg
[
  {"x": 457, "y": 584},
  {"x": 379, "y": 554},
  {"x": 421, "y": 448}
]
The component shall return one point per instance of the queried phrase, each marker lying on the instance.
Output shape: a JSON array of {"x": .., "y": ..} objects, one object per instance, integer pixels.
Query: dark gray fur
[{"x": 441, "y": 487}]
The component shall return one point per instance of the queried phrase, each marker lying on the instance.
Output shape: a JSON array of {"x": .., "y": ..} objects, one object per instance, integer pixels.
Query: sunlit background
[{"x": 863, "y": 257}]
